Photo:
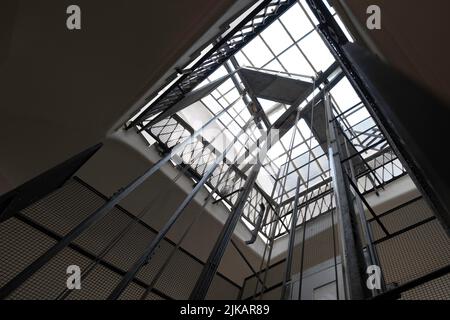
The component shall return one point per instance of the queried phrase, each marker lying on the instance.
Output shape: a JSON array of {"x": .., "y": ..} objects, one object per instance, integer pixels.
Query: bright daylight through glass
[{"x": 290, "y": 47}]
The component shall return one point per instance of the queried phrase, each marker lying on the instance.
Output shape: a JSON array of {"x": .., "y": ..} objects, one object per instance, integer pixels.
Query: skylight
[{"x": 289, "y": 47}]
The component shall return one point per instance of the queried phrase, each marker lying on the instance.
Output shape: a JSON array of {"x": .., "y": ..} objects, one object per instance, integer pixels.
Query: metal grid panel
[
  {"x": 403, "y": 217},
  {"x": 135, "y": 292},
  {"x": 62, "y": 210},
  {"x": 49, "y": 281},
  {"x": 98, "y": 285},
  {"x": 180, "y": 276},
  {"x": 318, "y": 248},
  {"x": 17, "y": 239},
  {"x": 221, "y": 290},
  {"x": 437, "y": 289},
  {"x": 24, "y": 243},
  {"x": 414, "y": 253}
]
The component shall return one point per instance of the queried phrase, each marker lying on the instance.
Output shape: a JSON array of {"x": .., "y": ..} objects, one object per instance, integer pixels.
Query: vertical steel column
[{"x": 352, "y": 254}]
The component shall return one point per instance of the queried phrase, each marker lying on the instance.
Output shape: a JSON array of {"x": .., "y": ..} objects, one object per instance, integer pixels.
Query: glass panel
[
  {"x": 316, "y": 51},
  {"x": 294, "y": 62},
  {"x": 344, "y": 95},
  {"x": 276, "y": 37},
  {"x": 257, "y": 52},
  {"x": 296, "y": 22}
]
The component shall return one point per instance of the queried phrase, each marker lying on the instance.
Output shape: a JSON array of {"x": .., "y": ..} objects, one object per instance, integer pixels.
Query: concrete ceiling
[
  {"x": 63, "y": 91},
  {"x": 413, "y": 37}
]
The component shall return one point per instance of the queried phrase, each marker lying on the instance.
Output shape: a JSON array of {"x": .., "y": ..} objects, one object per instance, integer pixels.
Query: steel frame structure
[
  {"x": 368, "y": 140},
  {"x": 375, "y": 150}
]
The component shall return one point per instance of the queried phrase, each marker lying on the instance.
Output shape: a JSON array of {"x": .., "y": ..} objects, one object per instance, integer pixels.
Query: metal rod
[
  {"x": 288, "y": 162},
  {"x": 359, "y": 104},
  {"x": 289, "y": 159},
  {"x": 364, "y": 150},
  {"x": 270, "y": 235},
  {"x": 257, "y": 225},
  {"x": 285, "y": 116},
  {"x": 287, "y": 271},
  {"x": 367, "y": 205},
  {"x": 241, "y": 254},
  {"x": 204, "y": 281},
  {"x": 116, "y": 239},
  {"x": 302, "y": 257},
  {"x": 373, "y": 172},
  {"x": 226, "y": 196},
  {"x": 269, "y": 255}
]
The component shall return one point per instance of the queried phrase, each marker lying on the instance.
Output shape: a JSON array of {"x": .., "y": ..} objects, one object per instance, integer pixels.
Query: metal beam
[
  {"x": 287, "y": 270},
  {"x": 226, "y": 196},
  {"x": 367, "y": 205}
]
